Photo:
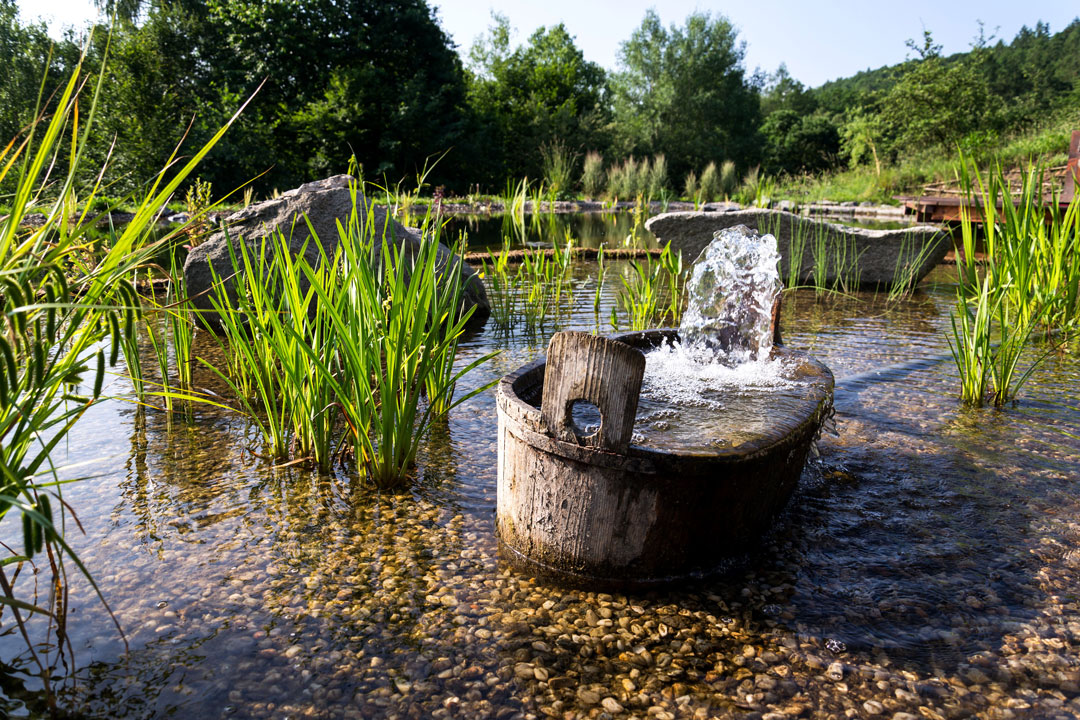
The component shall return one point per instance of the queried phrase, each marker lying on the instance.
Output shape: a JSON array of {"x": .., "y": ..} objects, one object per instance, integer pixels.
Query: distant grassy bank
[{"x": 1046, "y": 145}]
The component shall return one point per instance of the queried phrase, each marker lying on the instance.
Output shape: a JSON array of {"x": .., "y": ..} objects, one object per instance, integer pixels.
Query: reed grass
[
  {"x": 729, "y": 179},
  {"x": 912, "y": 255},
  {"x": 709, "y": 184},
  {"x": 657, "y": 177},
  {"x": 1030, "y": 281},
  {"x": 70, "y": 309},
  {"x": 690, "y": 189},
  {"x": 600, "y": 278},
  {"x": 592, "y": 174},
  {"x": 652, "y": 292},
  {"x": 558, "y": 164},
  {"x": 351, "y": 355},
  {"x": 501, "y": 287}
]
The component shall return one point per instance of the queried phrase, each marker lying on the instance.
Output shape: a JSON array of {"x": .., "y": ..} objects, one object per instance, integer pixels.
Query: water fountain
[{"x": 651, "y": 457}]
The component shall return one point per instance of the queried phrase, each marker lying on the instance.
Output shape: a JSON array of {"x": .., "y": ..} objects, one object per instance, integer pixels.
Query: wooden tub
[{"x": 599, "y": 511}]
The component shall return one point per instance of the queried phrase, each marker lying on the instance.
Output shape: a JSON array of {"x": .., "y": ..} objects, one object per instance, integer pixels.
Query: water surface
[{"x": 926, "y": 565}]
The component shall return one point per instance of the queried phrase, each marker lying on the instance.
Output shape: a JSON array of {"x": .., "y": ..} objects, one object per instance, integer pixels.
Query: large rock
[
  {"x": 324, "y": 203},
  {"x": 880, "y": 252}
]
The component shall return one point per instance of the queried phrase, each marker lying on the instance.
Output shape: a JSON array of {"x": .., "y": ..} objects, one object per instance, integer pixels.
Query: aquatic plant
[
  {"x": 1030, "y": 279},
  {"x": 671, "y": 261},
  {"x": 501, "y": 287},
  {"x": 70, "y": 306},
  {"x": 845, "y": 256},
  {"x": 910, "y": 257},
  {"x": 513, "y": 201},
  {"x": 599, "y": 287},
  {"x": 642, "y": 295},
  {"x": 367, "y": 335}
]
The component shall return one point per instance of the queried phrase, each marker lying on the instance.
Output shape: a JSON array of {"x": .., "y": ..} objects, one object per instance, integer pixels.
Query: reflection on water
[
  {"x": 589, "y": 230},
  {"x": 927, "y": 565}
]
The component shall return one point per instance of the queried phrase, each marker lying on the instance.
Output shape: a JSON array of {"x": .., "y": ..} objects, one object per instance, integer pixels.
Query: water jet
[{"x": 696, "y": 440}]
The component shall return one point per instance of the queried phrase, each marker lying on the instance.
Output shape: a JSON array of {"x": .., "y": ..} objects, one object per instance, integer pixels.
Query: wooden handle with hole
[{"x": 604, "y": 372}]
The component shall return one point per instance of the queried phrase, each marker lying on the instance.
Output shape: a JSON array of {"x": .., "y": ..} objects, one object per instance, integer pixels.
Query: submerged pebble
[{"x": 925, "y": 569}]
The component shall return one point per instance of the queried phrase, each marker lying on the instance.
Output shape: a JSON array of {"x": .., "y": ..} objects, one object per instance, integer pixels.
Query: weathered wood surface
[
  {"x": 604, "y": 372},
  {"x": 588, "y": 516}
]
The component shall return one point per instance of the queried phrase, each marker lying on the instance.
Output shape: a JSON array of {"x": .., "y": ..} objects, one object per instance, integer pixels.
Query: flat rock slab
[
  {"x": 879, "y": 252},
  {"x": 324, "y": 203}
]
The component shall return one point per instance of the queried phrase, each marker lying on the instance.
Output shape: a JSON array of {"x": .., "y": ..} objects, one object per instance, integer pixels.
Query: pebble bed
[{"x": 926, "y": 568}]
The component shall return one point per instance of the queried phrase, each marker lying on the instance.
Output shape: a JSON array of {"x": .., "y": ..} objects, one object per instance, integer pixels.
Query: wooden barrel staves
[{"x": 583, "y": 505}]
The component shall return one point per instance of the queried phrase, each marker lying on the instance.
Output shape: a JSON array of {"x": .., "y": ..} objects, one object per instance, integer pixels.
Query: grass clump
[
  {"x": 351, "y": 356},
  {"x": 1030, "y": 281},
  {"x": 558, "y": 163},
  {"x": 592, "y": 175},
  {"x": 709, "y": 184},
  {"x": 70, "y": 309}
]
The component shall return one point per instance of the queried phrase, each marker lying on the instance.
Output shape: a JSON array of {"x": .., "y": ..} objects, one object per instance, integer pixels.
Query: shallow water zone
[{"x": 927, "y": 566}]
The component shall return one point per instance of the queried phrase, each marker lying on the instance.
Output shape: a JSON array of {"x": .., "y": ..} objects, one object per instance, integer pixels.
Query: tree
[
  {"x": 799, "y": 143},
  {"x": 683, "y": 92},
  {"x": 935, "y": 102},
  {"x": 374, "y": 78},
  {"x": 861, "y": 135},
  {"x": 541, "y": 93},
  {"x": 25, "y": 57},
  {"x": 783, "y": 92}
]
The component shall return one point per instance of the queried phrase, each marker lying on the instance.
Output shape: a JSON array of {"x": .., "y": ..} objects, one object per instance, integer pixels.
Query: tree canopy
[
  {"x": 683, "y": 92},
  {"x": 381, "y": 80}
]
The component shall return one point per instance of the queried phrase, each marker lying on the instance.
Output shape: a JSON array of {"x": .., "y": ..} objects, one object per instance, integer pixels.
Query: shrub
[
  {"x": 690, "y": 187},
  {"x": 657, "y": 176},
  {"x": 710, "y": 183},
  {"x": 592, "y": 174}
]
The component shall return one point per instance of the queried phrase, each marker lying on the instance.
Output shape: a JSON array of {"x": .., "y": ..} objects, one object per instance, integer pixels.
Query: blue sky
[{"x": 817, "y": 39}]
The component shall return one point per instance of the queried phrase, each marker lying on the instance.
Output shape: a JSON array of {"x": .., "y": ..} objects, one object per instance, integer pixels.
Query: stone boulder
[
  {"x": 880, "y": 252},
  {"x": 324, "y": 203}
]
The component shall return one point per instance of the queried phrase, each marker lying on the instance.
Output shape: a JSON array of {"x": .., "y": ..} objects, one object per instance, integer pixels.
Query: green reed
[
  {"x": 502, "y": 288},
  {"x": 646, "y": 289},
  {"x": 773, "y": 224},
  {"x": 600, "y": 274},
  {"x": 845, "y": 255},
  {"x": 910, "y": 258},
  {"x": 796, "y": 252},
  {"x": 70, "y": 309},
  {"x": 1030, "y": 280},
  {"x": 350, "y": 354},
  {"x": 671, "y": 262},
  {"x": 820, "y": 249}
]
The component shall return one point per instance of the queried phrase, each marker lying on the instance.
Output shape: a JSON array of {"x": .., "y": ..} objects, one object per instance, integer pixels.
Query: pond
[
  {"x": 926, "y": 567},
  {"x": 588, "y": 229},
  {"x": 593, "y": 229}
]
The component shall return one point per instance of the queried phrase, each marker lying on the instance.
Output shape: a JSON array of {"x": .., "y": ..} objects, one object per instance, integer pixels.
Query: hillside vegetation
[{"x": 680, "y": 116}]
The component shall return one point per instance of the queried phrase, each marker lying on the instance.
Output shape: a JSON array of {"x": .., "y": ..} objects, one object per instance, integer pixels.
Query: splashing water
[
  {"x": 732, "y": 288},
  {"x": 719, "y": 383}
]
